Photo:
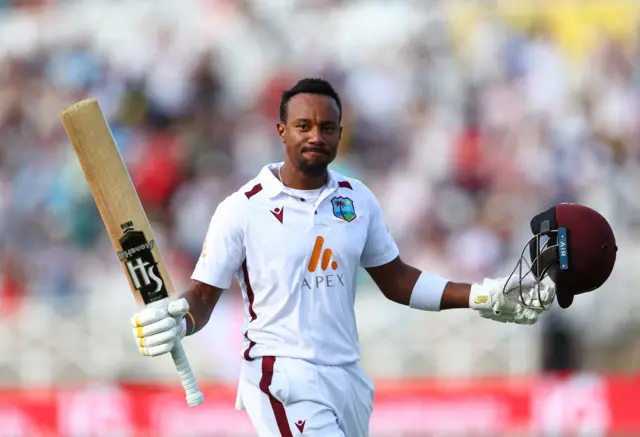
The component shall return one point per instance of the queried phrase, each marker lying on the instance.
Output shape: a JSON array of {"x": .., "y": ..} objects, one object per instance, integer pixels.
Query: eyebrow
[{"x": 306, "y": 120}]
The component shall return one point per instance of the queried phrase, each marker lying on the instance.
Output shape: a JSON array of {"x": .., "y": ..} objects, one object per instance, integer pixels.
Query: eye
[
  {"x": 302, "y": 127},
  {"x": 330, "y": 128}
]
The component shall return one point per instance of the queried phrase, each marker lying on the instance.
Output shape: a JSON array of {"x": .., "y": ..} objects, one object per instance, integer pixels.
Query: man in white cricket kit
[{"x": 294, "y": 237}]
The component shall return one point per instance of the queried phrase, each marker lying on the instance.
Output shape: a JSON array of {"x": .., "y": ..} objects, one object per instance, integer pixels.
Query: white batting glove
[
  {"x": 489, "y": 300},
  {"x": 156, "y": 330}
]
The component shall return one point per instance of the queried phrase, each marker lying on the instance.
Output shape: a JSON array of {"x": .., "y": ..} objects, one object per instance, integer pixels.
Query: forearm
[
  {"x": 410, "y": 286},
  {"x": 453, "y": 295},
  {"x": 399, "y": 282},
  {"x": 456, "y": 295},
  {"x": 202, "y": 300}
]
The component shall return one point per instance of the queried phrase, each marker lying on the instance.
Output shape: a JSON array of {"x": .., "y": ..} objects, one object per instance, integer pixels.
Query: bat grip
[{"x": 193, "y": 394}]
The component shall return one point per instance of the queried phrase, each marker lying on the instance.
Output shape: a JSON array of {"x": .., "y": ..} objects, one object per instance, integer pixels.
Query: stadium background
[{"x": 465, "y": 118}]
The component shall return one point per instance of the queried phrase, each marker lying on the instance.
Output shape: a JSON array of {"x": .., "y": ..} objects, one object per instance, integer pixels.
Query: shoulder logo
[
  {"x": 300, "y": 425},
  {"x": 252, "y": 192},
  {"x": 278, "y": 213},
  {"x": 343, "y": 208},
  {"x": 203, "y": 254}
]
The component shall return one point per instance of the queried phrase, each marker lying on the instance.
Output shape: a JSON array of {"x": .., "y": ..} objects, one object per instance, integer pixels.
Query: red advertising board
[{"x": 573, "y": 405}]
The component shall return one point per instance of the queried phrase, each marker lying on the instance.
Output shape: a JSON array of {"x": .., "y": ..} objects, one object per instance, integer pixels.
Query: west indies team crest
[{"x": 343, "y": 208}]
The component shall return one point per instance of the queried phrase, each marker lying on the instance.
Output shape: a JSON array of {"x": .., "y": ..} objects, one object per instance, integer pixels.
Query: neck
[{"x": 292, "y": 177}]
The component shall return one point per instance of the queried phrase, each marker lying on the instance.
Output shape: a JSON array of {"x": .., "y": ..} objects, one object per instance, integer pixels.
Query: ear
[
  {"x": 281, "y": 127},
  {"x": 340, "y": 133}
]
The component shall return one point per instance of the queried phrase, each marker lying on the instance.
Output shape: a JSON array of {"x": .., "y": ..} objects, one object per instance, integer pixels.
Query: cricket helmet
[{"x": 574, "y": 246}]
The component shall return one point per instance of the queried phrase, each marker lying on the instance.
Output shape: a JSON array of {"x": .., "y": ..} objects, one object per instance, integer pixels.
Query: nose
[{"x": 315, "y": 136}]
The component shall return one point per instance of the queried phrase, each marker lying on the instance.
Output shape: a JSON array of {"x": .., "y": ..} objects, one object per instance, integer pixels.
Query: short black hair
[{"x": 308, "y": 86}]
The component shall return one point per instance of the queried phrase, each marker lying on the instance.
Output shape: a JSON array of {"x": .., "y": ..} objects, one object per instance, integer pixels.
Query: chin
[{"x": 314, "y": 168}]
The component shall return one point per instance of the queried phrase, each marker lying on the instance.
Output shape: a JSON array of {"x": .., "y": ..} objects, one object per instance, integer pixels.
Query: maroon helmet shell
[{"x": 581, "y": 251}]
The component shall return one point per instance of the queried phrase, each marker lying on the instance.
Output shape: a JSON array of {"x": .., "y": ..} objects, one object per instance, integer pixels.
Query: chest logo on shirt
[
  {"x": 343, "y": 208},
  {"x": 326, "y": 257},
  {"x": 323, "y": 279}
]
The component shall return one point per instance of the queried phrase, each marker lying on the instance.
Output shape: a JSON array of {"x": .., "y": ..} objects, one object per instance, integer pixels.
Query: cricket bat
[{"x": 124, "y": 218}]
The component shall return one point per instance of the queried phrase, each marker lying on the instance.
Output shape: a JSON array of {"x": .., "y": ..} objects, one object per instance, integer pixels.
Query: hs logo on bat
[{"x": 141, "y": 265}]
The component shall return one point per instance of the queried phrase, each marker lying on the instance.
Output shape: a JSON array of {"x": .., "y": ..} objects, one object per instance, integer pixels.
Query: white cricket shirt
[{"x": 297, "y": 263}]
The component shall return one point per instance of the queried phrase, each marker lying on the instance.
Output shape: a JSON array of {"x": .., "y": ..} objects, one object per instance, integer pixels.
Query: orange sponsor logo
[{"x": 318, "y": 253}]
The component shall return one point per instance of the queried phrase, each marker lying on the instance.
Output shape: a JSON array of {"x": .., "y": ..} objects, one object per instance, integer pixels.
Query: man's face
[{"x": 312, "y": 132}]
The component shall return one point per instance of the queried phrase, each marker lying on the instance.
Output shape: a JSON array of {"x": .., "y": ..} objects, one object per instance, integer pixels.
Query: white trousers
[{"x": 286, "y": 397}]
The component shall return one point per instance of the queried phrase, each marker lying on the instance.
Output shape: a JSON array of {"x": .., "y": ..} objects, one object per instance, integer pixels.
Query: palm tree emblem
[{"x": 343, "y": 208}]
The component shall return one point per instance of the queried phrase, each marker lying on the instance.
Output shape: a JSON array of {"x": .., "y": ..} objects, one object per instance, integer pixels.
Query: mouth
[{"x": 315, "y": 154}]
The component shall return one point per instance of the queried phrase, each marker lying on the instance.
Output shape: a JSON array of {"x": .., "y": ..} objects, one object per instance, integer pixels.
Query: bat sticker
[{"x": 141, "y": 265}]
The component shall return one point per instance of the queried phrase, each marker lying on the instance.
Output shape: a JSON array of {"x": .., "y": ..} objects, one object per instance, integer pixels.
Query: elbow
[
  {"x": 397, "y": 293},
  {"x": 393, "y": 297},
  {"x": 395, "y": 280}
]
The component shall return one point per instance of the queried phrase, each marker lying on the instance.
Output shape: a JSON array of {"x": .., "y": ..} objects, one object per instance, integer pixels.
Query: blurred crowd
[{"x": 465, "y": 124}]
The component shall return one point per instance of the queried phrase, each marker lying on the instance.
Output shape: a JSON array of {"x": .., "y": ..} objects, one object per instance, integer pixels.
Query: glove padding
[
  {"x": 490, "y": 301},
  {"x": 157, "y": 330}
]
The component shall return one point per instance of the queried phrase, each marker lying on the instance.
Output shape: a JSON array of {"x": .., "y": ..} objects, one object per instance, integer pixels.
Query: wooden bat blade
[{"x": 117, "y": 200}]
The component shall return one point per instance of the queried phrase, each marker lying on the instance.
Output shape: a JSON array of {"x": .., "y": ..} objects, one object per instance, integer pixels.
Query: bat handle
[{"x": 193, "y": 394}]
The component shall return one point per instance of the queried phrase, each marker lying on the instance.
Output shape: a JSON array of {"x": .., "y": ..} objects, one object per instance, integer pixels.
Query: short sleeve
[
  {"x": 380, "y": 248},
  {"x": 223, "y": 249}
]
